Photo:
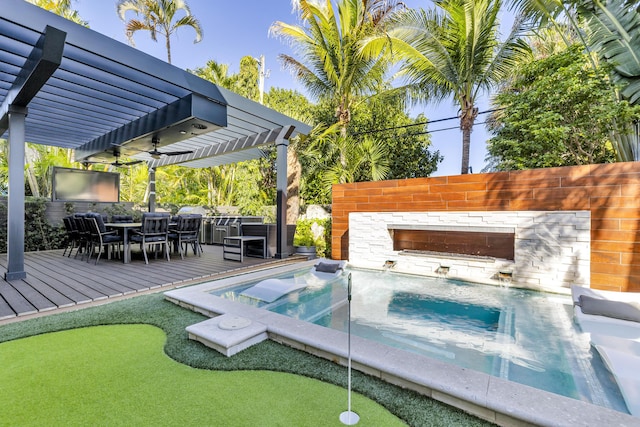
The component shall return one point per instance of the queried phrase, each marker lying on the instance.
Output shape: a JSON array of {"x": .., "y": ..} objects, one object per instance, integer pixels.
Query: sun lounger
[
  {"x": 326, "y": 270},
  {"x": 270, "y": 290},
  {"x": 630, "y": 346},
  {"x": 606, "y": 325},
  {"x": 624, "y": 367},
  {"x": 609, "y": 319}
]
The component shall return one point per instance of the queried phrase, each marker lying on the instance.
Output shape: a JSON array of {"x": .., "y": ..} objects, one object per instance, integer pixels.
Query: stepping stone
[{"x": 228, "y": 333}]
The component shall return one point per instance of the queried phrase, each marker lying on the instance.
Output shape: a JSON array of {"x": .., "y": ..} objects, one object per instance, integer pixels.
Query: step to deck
[{"x": 228, "y": 333}]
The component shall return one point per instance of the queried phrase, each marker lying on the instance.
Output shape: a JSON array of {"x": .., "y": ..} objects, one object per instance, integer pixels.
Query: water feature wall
[
  {"x": 496, "y": 242},
  {"x": 551, "y": 250},
  {"x": 610, "y": 193}
]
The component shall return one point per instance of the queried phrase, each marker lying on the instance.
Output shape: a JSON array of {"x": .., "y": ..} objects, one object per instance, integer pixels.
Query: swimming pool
[{"x": 523, "y": 336}]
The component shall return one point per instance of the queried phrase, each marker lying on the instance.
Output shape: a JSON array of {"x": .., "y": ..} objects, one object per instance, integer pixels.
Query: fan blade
[
  {"x": 176, "y": 153},
  {"x": 120, "y": 164},
  {"x": 155, "y": 153},
  {"x": 133, "y": 162}
]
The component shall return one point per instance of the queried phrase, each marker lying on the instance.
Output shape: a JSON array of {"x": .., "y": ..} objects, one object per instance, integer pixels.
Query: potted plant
[{"x": 304, "y": 240}]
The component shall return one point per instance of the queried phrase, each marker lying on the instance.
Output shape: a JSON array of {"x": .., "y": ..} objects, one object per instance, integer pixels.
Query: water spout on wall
[
  {"x": 389, "y": 264},
  {"x": 505, "y": 277},
  {"x": 443, "y": 271}
]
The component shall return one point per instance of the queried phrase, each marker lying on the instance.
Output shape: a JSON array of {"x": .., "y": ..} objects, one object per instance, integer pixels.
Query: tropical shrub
[{"x": 314, "y": 232}]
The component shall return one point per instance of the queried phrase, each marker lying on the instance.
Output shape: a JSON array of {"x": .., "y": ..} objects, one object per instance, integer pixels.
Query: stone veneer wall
[
  {"x": 609, "y": 192},
  {"x": 551, "y": 248}
]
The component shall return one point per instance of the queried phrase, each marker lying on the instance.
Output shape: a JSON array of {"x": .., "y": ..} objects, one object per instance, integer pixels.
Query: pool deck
[
  {"x": 57, "y": 283},
  {"x": 494, "y": 399}
]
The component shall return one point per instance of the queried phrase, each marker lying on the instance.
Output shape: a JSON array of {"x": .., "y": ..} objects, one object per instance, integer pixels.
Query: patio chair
[
  {"x": 83, "y": 234},
  {"x": 72, "y": 234},
  {"x": 121, "y": 218},
  {"x": 154, "y": 232},
  {"x": 185, "y": 232},
  {"x": 100, "y": 237}
]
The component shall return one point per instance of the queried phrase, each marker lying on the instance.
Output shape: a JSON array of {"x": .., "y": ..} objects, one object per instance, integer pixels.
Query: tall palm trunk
[
  {"x": 168, "y": 45},
  {"x": 32, "y": 157},
  {"x": 33, "y": 181},
  {"x": 344, "y": 117},
  {"x": 211, "y": 187},
  {"x": 294, "y": 173},
  {"x": 467, "y": 120}
]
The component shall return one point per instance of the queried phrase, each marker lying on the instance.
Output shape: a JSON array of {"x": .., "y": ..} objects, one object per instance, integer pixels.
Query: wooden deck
[{"x": 57, "y": 282}]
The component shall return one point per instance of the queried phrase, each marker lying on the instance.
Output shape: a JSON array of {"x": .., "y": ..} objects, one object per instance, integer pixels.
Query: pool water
[{"x": 523, "y": 336}]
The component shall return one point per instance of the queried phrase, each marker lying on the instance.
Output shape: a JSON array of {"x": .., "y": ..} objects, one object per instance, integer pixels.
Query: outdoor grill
[
  {"x": 216, "y": 228},
  {"x": 192, "y": 210}
]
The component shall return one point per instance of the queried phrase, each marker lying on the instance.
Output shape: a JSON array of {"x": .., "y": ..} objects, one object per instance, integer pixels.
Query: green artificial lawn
[
  {"x": 119, "y": 375},
  {"x": 159, "y": 388}
]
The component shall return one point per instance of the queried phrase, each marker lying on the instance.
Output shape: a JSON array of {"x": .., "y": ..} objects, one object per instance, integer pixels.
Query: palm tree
[
  {"x": 333, "y": 71},
  {"x": 331, "y": 66},
  {"x": 157, "y": 17},
  {"x": 452, "y": 51},
  {"x": 60, "y": 7},
  {"x": 365, "y": 157},
  {"x": 215, "y": 72}
]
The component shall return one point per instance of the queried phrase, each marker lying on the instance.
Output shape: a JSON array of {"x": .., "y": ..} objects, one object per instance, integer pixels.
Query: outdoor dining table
[{"x": 125, "y": 227}]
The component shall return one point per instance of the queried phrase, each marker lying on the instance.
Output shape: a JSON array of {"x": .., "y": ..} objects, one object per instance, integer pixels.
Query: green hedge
[{"x": 39, "y": 235}]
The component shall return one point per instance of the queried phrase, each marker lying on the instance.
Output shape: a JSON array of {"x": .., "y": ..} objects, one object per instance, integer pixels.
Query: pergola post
[
  {"x": 15, "y": 214},
  {"x": 152, "y": 189},
  {"x": 44, "y": 59},
  {"x": 282, "y": 144}
]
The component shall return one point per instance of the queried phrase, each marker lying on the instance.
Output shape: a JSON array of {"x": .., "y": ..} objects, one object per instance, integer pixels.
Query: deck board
[
  {"x": 116, "y": 281},
  {"x": 87, "y": 271},
  {"x": 55, "y": 281},
  {"x": 81, "y": 292},
  {"x": 55, "y": 296},
  {"x": 35, "y": 298},
  {"x": 6, "y": 312},
  {"x": 16, "y": 301}
]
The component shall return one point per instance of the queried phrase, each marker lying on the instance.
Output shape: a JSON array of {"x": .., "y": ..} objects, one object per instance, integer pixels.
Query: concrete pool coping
[{"x": 494, "y": 399}]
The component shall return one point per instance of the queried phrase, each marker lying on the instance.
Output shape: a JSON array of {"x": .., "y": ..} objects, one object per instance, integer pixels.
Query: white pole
[
  {"x": 261, "y": 80},
  {"x": 348, "y": 417}
]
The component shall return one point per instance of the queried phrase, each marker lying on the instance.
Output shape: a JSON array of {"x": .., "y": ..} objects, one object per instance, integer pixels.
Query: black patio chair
[
  {"x": 185, "y": 232},
  {"x": 72, "y": 234},
  {"x": 121, "y": 218},
  {"x": 100, "y": 238},
  {"x": 154, "y": 232},
  {"x": 83, "y": 234}
]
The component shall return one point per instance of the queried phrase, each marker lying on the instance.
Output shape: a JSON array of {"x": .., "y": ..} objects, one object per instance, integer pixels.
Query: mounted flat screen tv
[{"x": 74, "y": 185}]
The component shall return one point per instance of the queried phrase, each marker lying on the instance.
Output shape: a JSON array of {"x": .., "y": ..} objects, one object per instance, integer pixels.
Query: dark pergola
[{"x": 64, "y": 85}]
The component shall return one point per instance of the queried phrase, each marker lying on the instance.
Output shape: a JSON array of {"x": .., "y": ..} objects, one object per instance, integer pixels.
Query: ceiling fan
[
  {"x": 156, "y": 154},
  {"x": 120, "y": 164},
  {"x": 117, "y": 163}
]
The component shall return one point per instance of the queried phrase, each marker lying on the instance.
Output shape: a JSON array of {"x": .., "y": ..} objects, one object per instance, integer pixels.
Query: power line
[
  {"x": 422, "y": 124},
  {"x": 443, "y": 129}
]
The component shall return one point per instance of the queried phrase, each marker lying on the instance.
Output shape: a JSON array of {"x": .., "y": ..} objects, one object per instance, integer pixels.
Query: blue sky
[{"x": 233, "y": 29}]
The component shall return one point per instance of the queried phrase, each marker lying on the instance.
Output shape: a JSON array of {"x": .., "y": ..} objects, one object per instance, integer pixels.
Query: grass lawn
[{"x": 119, "y": 375}]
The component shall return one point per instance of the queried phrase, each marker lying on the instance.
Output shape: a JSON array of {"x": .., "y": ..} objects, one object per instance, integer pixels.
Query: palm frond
[
  {"x": 329, "y": 63},
  {"x": 542, "y": 12},
  {"x": 614, "y": 33}
]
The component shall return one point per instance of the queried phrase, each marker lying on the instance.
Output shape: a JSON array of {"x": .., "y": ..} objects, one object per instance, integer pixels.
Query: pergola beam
[
  {"x": 44, "y": 60},
  {"x": 231, "y": 146},
  {"x": 170, "y": 124}
]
